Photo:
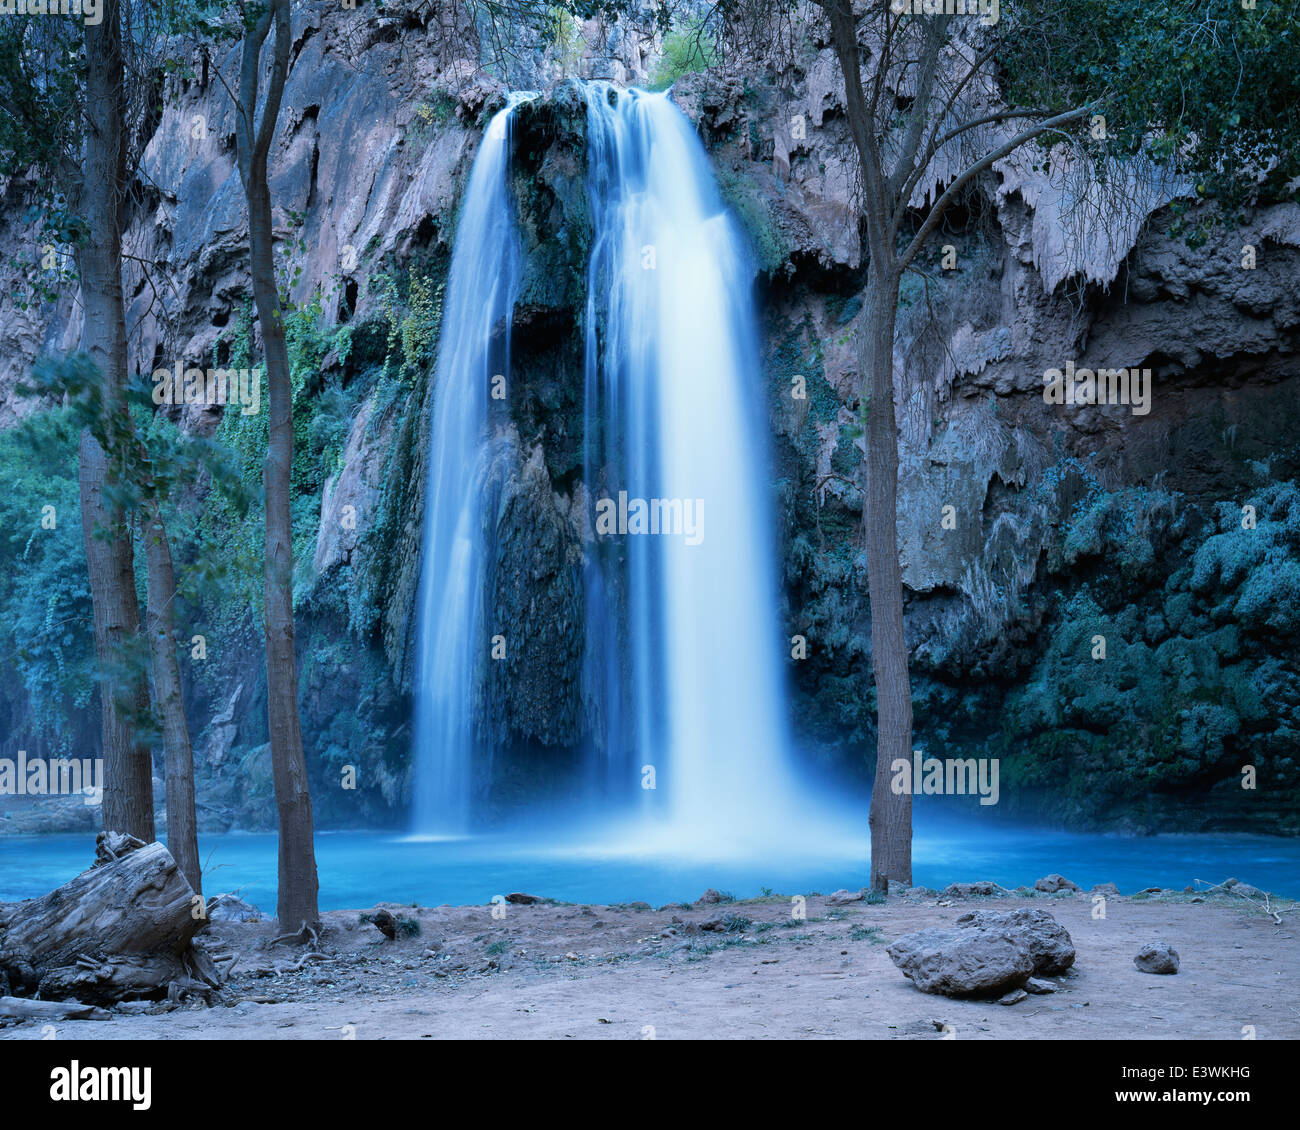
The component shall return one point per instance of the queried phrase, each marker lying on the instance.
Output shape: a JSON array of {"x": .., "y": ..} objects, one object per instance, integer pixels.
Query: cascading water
[
  {"x": 682, "y": 659},
  {"x": 672, "y": 402},
  {"x": 474, "y": 345}
]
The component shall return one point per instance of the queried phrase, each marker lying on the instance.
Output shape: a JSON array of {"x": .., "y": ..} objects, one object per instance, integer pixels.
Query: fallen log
[
  {"x": 25, "y": 1009},
  {"x": 122, "y": 930}
]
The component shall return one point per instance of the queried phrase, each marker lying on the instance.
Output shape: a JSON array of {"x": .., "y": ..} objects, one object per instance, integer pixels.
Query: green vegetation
[
  {"x": 45, "y": 636},
  {"x": 751, "y": 205},
  {"x": 1181, "y": 98},
  {"x": 688, "y": 49}
]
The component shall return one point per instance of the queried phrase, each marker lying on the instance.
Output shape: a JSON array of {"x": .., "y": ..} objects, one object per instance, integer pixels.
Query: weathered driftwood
[
  {"x": 51, "y": 1010},
  {"x": 121, "y": 930}
]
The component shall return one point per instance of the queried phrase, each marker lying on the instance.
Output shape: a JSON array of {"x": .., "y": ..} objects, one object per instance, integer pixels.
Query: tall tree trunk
[
  {"x": 891, "y": 813},
  {"x": 298, "y": 887},
  {"x": 128, "y": 766},
  {"x": 182, "y": 826}
]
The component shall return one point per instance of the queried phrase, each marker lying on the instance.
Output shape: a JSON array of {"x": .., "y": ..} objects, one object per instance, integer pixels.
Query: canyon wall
[{"x": 1106, "y": 599}]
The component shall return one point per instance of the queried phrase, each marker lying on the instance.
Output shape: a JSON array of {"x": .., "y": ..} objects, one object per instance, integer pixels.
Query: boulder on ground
[
  {"x": 1108, "y": 890},
  {"x": 518, "y": 898},
  {"x": 842, "y": 897},
  {"x": 1157, "y": 957},
  {"x": 1053, "y": 883},
  {"x": 1047, "y": 941},
  {"x": 968, "y": 890},
  {"x": 710, "y": 897},
  {"x": 963, "y": 963}
]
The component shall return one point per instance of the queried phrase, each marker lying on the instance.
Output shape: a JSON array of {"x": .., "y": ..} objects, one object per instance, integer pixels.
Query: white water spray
[
  {"x": 474, "y": 345},
  {"x": 675, "y": 384}
]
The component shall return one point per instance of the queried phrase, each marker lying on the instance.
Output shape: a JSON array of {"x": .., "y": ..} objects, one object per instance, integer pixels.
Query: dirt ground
[{"x": 631, "y": 972}]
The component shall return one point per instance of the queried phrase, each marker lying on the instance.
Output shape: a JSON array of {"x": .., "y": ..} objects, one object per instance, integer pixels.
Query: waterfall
[
  {"x": 674, "y": 415},
  {"x": 682, "y": 676},
  {"x": 474, "y": 345}
]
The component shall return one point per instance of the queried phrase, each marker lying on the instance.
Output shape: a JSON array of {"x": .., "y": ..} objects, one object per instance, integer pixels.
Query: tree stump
[{"x": 120, "y": 931}]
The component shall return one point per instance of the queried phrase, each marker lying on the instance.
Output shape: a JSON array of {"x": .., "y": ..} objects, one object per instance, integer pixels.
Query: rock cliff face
[{"x": 1028, "y": 531}]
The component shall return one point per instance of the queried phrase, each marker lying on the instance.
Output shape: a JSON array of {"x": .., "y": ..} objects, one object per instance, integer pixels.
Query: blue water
[{"x": 358, "y": 869}]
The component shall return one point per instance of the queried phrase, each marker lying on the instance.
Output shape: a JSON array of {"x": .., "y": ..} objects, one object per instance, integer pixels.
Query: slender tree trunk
[
  {"x": 128, "y": 766},
  {"x": 298, "y": 885},
  {"x": 182, "y": 825},
  {"x": 891, "y": 813}
]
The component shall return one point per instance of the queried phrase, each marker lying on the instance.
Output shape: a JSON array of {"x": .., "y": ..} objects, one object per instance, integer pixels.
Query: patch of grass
[
  {"x": 870, "y": 934},
  {"x": 498, "y": 947},
  {"x": 703, "y": 949},
  {"x": 736, "y": 923}
]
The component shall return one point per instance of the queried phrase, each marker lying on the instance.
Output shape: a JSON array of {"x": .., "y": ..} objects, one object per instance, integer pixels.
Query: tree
[
  {"x": 182, "y": 821},
  {"x": 1184, "y": 104},
  {"x": 146, "y": 459},
  {"x": 93, "y": 158},
  {"x": 100, "y": 195},
  {"x": 298, "y": 885}
]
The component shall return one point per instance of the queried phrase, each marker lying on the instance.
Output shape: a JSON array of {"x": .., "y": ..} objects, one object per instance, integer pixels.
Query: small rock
[
  {"x": 135, "y": 1008},
  {"x": 843, "y": 897},
  {"x": 710, "y": 897},
  {"x": 1034, "y": 985},
  {"x": 1014, "y": 997},
  {"x": 1157, "y": 957},
  {"x": 385, "y": 923},
  {"x": 520, "y": 899},
  {"x": 229, "y": 908},
  {"x": 1053, "y": 883},
  {"x": 1108, "y": 890}
]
